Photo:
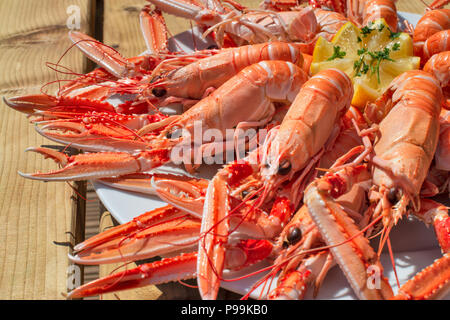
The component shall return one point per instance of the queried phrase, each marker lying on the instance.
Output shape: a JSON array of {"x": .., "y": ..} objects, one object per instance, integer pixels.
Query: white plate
[{"x": 412, "y": 253}]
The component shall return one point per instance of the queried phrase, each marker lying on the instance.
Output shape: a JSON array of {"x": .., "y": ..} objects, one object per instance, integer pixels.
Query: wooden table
[{"x": 40, "y": 222}]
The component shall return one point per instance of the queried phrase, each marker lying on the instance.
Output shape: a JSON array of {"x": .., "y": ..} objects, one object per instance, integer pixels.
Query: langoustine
[{"x": 400, "y": 164}]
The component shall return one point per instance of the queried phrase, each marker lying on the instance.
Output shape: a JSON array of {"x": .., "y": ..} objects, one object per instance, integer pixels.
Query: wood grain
[
  {"x": 121, "y": 28},
  {"x": 36, "y": 228},
  {"x": 414, "y": 6}
]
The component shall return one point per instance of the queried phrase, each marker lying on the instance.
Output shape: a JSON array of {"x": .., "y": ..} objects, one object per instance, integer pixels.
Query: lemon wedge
[{"x": 372, "y": 57}]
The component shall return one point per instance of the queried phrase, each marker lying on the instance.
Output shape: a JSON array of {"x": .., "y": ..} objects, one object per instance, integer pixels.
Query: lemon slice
[
  {"x": 372, "y": 57},
  {"x": 363, "y": 93}
]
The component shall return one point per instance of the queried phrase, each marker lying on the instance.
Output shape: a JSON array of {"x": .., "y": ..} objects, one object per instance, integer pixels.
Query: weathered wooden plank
[
  {"x": 410, "y": 6},
  {"x": 37, "y": 225},
  {"x": 121, "y": 29}
]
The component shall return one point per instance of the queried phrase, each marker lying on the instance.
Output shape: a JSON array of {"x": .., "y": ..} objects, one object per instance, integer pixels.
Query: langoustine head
[{"x": 310, "y": 124}]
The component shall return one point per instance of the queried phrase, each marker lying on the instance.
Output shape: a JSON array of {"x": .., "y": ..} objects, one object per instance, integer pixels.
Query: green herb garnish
[
  {"x": 365, "y": 68},
  {"x": 362, "y": 51},
  {"x": 337, "y": 54},
  {"x": 393, "y": 35},
  {"x": 377, "y": 57},
  {"x": 361, "y": 67},
  {"x": 365, "y": 31}
]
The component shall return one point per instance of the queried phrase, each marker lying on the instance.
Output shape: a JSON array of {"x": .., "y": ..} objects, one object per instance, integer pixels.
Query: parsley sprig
[
  {"x": 360, "y": 65},
  {"x": 393, "y": 35},
  {"x": 337, "y": 53},
  {"x": 376, "y": 57},
  {"x": 365, "y": 31}
]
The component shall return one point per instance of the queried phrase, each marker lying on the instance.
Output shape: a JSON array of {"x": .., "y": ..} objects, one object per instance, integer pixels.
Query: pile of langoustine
[{"x": 325, "y": 178}]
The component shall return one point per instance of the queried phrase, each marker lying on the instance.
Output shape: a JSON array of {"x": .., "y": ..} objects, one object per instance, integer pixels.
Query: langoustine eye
[
  {"x": 159, "y": 92},
  {"x": 294, "y": 236},
  {"x": 284, "y": 168},
  {"x": 393, "y": 196}
]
